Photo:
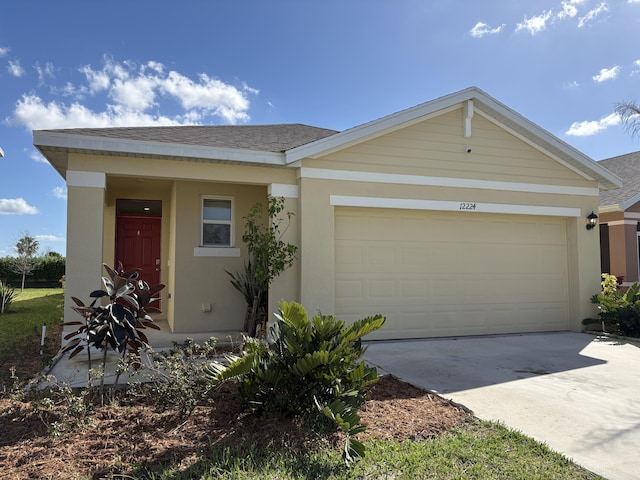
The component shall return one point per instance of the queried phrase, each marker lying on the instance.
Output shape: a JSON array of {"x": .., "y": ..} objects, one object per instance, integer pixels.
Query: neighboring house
[
  {"x": 454, "y": 217},
  {"x": 619, "y": 219}
]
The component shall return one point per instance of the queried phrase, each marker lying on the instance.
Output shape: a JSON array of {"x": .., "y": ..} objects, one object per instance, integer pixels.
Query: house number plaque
[{"x": 468, "y": 205}]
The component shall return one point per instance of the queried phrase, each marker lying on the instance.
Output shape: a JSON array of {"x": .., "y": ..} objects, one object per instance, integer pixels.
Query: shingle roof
[
  {"x": 265, "y": 138},
  {"x": 627, "y": 167}
]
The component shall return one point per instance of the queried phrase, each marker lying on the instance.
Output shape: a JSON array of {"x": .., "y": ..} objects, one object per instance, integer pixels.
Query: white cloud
[
  {"x": 16, "y": 206},
  {"x": 60, "y": 192},
  {"x": 607, "y": 74},
  {"x": 35, "y": 155},
  {"x": 592, "y": 127},
  {"x": 481, "y": 29},
  {"x": 49, "y": 238},
  {"x": 636, "y": 64},
  {"x": 98, "y": 81},
  {"x": 15, "y": 68},
  {"x": 44, "y": 73},
  {"x": 134, "y": 94},
  {"x": 32, "y": 112},
  {"x": 4, "y": 51},
  {"x": 138, "y": 93},
  {"x": 592, "y": 14},
  {"x": 535, "y": 24},
  {"x": 572, "y": 84},
  {"x": 569, "y": 9}
]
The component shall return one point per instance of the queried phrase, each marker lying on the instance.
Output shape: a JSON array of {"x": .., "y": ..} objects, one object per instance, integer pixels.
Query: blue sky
[{"x": 563, "y": 64}]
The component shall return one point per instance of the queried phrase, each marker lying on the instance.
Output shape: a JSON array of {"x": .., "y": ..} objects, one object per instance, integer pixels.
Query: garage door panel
[{"x": 432, "y": 274}]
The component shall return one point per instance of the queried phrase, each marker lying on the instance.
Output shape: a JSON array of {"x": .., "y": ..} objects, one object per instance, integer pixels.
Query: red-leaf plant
[{"x": 118, "y": 323}]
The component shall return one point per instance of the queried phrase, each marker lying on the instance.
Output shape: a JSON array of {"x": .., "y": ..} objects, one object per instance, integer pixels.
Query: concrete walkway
[
  {"x": 578, "y": 393},
  {"x": 73, "y": 371}
]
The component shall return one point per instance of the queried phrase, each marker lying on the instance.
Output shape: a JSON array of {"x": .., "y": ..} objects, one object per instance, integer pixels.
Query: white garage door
[{"x": 448, "y": 273}]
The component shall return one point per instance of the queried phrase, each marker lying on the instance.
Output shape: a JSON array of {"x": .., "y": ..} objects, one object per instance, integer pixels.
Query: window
[{"x": 217, "y": 224}]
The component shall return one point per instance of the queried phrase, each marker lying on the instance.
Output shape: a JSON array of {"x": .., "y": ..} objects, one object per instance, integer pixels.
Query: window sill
[{"x": 216, "y": 252}]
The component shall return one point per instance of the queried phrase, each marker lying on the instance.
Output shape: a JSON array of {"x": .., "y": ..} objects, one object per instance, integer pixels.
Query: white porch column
[
  {"x": 85, "y": 223},
  {"x": 285, "y": 287}
]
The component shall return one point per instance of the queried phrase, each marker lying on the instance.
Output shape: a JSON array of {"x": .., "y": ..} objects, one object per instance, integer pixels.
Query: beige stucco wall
[{"x": 202, "y": 280}]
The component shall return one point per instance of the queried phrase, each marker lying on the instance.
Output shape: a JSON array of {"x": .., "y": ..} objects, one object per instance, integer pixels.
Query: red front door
[{"x": 138, "y": 246}]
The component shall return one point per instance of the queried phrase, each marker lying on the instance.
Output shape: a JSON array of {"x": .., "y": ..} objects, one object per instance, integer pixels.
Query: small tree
[
  {"x": 27, "y": 248},
  {"x": 269, "y": 256}
]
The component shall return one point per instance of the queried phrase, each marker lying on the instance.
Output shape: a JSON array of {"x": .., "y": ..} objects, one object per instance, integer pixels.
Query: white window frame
[{"x": 217, "y": 222}]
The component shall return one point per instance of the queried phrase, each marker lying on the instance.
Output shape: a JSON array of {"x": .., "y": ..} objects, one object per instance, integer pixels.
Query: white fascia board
[
  {"x": 375, "y": 177},
  {"x": 449, "y": 206},
  {"x": 113, "y": 145},
  {"x": 381, "y": 126},
  {"x": 631, "y": 202}
]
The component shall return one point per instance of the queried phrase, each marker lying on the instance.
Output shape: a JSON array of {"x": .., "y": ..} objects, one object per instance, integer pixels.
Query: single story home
[
  {"x": 620, "y": 219},
  {"x": 454, "y": 217}
]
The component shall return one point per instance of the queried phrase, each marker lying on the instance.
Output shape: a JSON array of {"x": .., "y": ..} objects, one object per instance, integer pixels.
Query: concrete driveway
[{"x": 578, "y": 393}]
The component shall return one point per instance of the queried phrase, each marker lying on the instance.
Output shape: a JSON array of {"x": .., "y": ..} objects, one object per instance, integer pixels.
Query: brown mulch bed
[
  {"x": 114, "y": 439},
  {"x": 118, "y": 437}
]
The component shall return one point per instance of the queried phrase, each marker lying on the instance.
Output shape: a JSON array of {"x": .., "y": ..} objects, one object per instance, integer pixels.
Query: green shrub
[
  {"x": 7, "y": 296},
  {"x": 174, "y": 379},
  {"x": 313, "y": 370},
  {"x": 618, "y": 312}
]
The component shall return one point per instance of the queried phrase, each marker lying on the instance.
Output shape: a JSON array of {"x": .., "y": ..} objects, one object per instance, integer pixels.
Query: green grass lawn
[
  {"x": 480, "y": 450},
  {"x": 21, "y": 328}
]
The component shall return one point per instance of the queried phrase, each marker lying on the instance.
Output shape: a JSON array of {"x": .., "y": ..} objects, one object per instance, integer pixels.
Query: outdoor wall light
[{"x": 592, "y": 218}]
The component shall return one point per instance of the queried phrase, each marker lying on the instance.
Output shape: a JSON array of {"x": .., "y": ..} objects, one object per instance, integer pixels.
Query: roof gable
[{"x": 472, "y": 101}]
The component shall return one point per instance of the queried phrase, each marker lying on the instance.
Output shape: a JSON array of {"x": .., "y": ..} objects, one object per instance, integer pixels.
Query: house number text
[{"x": 467, "y": 205}]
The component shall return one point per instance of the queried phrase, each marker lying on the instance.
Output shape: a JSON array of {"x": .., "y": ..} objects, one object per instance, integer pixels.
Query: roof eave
[{"x": 71, "y": 142}]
